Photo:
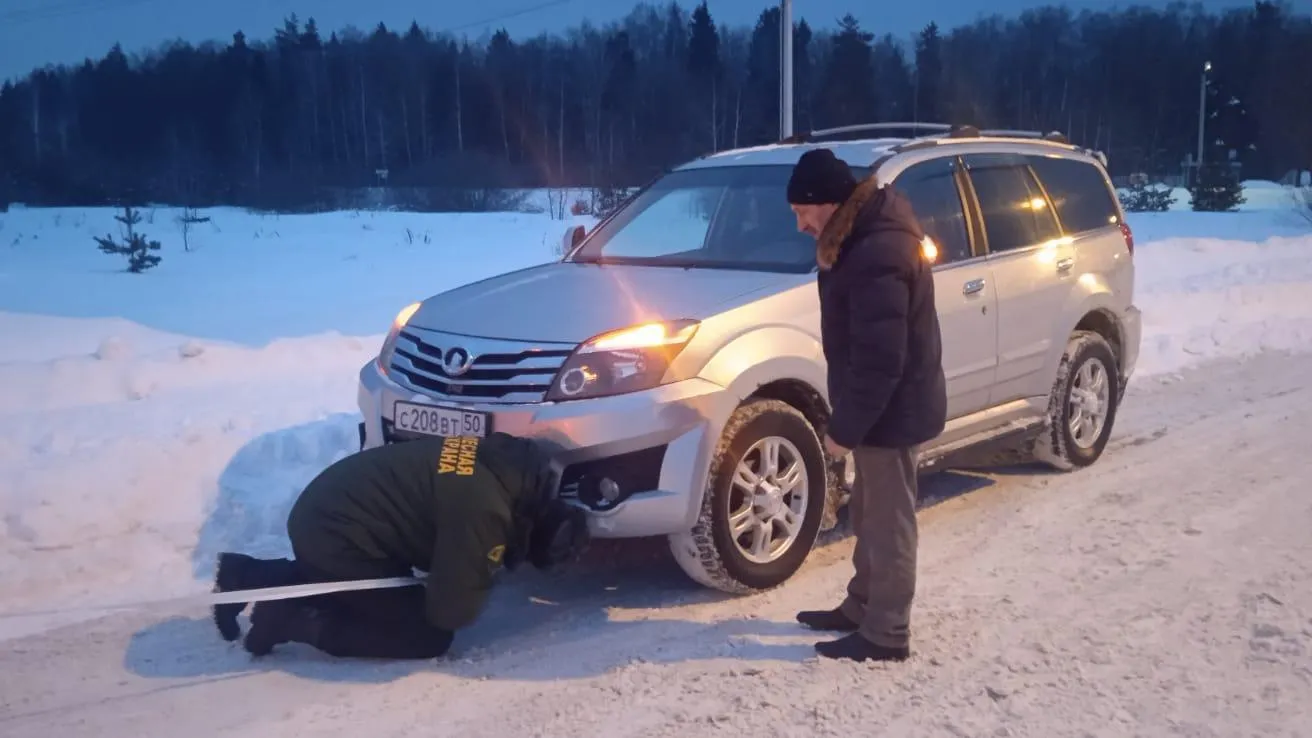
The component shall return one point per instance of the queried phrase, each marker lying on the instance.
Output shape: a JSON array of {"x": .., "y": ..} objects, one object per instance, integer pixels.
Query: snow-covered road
[{"x": 1166, "y": 591}]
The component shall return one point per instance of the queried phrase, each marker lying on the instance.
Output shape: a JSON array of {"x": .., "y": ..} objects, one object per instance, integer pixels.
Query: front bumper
[{"x": 658, "y": 444}]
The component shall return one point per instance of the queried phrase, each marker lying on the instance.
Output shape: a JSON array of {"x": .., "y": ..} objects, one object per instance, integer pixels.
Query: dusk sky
[{"x": 37, "y": 32}]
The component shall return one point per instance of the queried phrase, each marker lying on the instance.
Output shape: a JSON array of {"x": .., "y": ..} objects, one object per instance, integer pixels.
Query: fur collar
[{"x": 840, "y": 225}]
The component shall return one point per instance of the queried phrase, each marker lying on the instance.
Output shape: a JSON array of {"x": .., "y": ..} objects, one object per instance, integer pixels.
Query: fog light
[{"x": 610, "y": 490}]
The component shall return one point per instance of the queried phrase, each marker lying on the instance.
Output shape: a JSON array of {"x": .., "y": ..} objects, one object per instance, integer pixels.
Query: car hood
[{"x": 569, "y": 302}]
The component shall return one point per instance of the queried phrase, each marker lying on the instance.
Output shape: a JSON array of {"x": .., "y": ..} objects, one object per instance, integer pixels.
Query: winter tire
[
  {"x": 763, "y": 503},
  {"x": 1082, "y": 406}
]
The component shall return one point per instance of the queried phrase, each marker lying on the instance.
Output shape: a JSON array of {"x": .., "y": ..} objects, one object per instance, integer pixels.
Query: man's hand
[{"x": 834, "y": 449}]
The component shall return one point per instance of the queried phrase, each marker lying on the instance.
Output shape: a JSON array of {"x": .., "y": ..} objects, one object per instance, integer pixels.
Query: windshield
[{"x": 714, "y": 218}]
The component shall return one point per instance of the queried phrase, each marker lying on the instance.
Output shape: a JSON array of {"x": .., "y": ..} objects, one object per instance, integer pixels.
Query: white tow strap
[{"x": 207, "y": 599}]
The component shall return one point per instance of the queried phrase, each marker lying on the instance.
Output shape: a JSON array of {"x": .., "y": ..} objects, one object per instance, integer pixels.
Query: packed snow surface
[{"x": 153, "y": 420}]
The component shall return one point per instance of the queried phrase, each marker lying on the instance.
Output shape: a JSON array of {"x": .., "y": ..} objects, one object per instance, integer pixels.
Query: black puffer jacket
[
  {"x": 457, "y": 508},
  {"x": 879, "y": 324}
]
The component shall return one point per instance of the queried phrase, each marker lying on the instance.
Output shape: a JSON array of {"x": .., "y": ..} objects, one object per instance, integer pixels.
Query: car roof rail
[
  {"x": 969, "y": 131},
  {"x": 973, "y": 132},
  {"x": 841, "y": 132},
  {"x": 1053, "y": 136},
  {"x": 919, "y": 132}
]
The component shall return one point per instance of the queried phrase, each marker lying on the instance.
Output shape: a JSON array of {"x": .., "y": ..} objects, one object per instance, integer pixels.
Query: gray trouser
[{"x": 883, "y": 514}]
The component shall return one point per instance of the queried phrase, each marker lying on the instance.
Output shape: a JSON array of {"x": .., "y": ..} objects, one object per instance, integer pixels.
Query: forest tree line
[{"x": 277, "y": 122}]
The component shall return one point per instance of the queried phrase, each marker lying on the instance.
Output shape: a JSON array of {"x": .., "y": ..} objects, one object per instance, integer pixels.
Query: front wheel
[
  {"x": 1082, "y": 407},
  {"x": 763, "y": 503}
]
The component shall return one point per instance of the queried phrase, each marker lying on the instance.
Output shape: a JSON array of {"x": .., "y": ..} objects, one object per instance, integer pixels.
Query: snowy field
[{"x": 153, "y": 420}]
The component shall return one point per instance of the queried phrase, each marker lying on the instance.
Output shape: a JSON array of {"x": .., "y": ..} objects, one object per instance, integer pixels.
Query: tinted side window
[
  {"x": 1078, "y": 192},
  {"x": 1015, "y": 213},
  {"x": 937, "y": 204}
]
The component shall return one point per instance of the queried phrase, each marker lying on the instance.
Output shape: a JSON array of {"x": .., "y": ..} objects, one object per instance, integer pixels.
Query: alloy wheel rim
[
  {"x": 1090, "y": 400},
  {"x": 768, "y": 499}
]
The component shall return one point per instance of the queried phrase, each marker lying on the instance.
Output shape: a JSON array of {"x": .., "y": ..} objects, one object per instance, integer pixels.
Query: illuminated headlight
[
  {"x": 389, "y": 343},
  {"x": 628, "y": 360}
]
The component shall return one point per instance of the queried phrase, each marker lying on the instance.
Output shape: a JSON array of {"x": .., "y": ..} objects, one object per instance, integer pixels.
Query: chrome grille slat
[
  {"x": 543, "y": 362},
  {"x": 499, "y": 371},
  {"x": 536, "y": 377}
]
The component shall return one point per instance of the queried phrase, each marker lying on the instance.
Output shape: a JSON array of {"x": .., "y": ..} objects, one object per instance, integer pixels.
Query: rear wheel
[
  {"x": 763, "y": 504},
  {"x": 1082, "y": 407}
]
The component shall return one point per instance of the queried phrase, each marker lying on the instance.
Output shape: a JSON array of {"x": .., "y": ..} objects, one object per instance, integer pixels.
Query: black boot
[
  {"x": 275, "y": 622},
  {"x": 856, "y": 648},
  {"x": 236, "y": 572},
  {"x": 826, "y": 620}
]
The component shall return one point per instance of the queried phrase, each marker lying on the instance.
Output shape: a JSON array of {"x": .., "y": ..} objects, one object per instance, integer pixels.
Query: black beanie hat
[{"x": 820, "y": 178}]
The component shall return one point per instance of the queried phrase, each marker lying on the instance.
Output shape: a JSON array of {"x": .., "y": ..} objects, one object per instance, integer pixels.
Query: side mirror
[{"x": 572, "y": 238}]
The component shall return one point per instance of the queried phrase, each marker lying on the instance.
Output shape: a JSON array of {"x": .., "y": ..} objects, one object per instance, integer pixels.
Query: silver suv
[{"x": 674, "y": 352}]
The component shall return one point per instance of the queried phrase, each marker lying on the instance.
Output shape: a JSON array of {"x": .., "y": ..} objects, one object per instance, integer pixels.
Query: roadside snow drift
[
  {"x": 1240, "y": 290},
  {"x": 152, "y": 420}
]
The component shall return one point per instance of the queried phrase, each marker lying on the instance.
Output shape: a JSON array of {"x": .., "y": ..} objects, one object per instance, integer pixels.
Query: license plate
[{"x": 433, "y": 420}]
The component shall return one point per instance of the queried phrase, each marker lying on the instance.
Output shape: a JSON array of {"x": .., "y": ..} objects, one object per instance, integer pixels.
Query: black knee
[{"x": 435, "y": 644}]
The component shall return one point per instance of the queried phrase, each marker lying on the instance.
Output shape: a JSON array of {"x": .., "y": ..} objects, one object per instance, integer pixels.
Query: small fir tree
[
  {"x": 1141, "y": 198},
  {"x": 134, "y": 246},
  {"x": 1303, "y": 202},
  {"x": 190, "y": 217},
  {"x": 1218, "y": 189}
]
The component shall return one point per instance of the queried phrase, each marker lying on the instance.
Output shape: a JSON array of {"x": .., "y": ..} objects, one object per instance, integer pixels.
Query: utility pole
[
  {"x": 785, "y": 68},
  {"x": 1202, "y": 117}
]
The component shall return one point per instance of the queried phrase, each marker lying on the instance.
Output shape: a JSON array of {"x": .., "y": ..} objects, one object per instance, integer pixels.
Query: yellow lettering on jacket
[
  {"x": 468, "y": 454},
  {"x": 458, "y": 455},
  {"x": 446, "y": 463}
]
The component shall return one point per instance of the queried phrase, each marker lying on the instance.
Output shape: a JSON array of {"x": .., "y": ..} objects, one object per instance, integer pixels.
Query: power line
[
  {"x": 509, "y": 15},
  {"x": 66, "y": 10}
]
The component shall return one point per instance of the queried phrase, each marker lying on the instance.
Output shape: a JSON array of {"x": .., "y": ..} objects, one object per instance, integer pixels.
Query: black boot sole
[
  {"x": 828, "y": 622},
  {"x": 257, "y": 644},
  {"x": 277, "y": 622},
  {"x": 855, "y": 648},
  {"x": 226, "y": 579}
]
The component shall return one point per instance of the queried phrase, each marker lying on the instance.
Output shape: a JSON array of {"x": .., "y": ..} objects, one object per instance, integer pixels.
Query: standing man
[
  {"x": 880, "y": 334},
  {"x": 459, "y": 509}
]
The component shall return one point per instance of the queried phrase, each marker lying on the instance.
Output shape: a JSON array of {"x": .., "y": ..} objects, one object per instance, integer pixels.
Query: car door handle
[
  {"x": 973, "y": 286},
  {"x": 1064, "y": 265}
]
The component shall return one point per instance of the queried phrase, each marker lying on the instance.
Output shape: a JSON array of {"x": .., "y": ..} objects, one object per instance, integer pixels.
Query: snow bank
[
  {"x": 153, "y": 420},
  {"x": 113, "y": 463},
  {"x": 1242, "y": 289},
  {"x": 1259, "y": 196}
]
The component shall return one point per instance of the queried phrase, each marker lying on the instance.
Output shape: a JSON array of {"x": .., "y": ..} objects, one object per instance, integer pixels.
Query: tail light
[{"x": 1129, "y": 236}]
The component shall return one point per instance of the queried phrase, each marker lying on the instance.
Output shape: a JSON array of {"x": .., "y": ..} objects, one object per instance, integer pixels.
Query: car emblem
[{"x": 456, "y": 361}]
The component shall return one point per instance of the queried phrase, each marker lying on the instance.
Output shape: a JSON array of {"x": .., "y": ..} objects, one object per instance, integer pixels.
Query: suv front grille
[{"x": 495, "y": 370}]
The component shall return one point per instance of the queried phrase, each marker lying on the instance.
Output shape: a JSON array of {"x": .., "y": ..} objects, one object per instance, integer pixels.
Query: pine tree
[
  {"x": 929, "y": 75},
  {"x": 135, "y": 246},
  {"x": 705, "y": 74},
  {"x": 1144, "y": 199},
  {"x": 847, "y": 88},
  {"x": 6, "y": 191},
  {"x": 1218, "y": 189},
  {"x": 1302, "y": 201},
  {"x": 190, "y": 217}
]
